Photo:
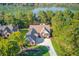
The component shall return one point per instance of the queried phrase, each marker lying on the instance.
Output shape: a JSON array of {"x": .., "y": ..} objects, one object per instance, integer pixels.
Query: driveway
[{"x": 47, "y": 42}]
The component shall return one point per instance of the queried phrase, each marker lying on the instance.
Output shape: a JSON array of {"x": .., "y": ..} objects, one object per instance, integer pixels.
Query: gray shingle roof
[
  {"x": 35, "y": 30},
  {"x": 31, "y": 34},
  {"x": 3, "y": 27},
  {"x": 6, "y": 28}
]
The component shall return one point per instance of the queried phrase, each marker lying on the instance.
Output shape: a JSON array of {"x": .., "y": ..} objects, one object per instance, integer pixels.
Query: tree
[
  {"x": 41, "y": 16},
  {"x": 76, "y": 15},
  {"x": 8, "y": 18},
  {"x": 68, "y": 13},
  {"x": 30, "y": 17},
  {"x": 63, "y": 34},
  {"x": 13, "y": 48},
  {"x": 49, "y": 15},
  {"x": 21, "y": 23},
  {"x": 2, "y": 21},
  {"x": 12, "y": 45}
]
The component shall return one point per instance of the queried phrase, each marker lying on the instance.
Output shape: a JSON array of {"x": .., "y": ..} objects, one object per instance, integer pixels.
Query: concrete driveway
[{"x": 47, "y": 42}]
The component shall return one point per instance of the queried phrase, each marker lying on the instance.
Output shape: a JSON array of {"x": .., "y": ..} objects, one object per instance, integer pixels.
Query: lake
[{"x": 37, "y": 10}]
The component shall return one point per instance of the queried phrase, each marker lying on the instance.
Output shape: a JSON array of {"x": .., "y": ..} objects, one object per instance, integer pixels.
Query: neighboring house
[
  {"x": 38, "y": 31},
  {"x": 6, "y": 30}
]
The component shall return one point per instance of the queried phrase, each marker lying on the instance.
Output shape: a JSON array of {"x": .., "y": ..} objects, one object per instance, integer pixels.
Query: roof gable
[
  {"x": 31, "y": 32},
  {"x": 44, "y": 30},
  {"x": 6, "y": 27},
  {"x": 39, "y": 28}
]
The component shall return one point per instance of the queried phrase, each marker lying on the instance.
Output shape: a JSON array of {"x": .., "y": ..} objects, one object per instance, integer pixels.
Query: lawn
[
  {"x": 56, "y": 47},
  {"x": 46, "y": 54},
  {"x": 23, "y": 31}
]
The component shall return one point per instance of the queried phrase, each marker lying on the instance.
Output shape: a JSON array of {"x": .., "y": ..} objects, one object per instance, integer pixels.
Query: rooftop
[{"x": 38, "y": 28}]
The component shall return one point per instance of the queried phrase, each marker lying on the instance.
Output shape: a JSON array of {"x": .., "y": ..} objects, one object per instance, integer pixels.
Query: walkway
[{"x": 47, "y": 42}]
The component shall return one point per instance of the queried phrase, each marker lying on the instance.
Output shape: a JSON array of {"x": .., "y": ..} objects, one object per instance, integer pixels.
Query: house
[
  {"x": 6, "y": 30},
  {"x": 38, "y": 31}
]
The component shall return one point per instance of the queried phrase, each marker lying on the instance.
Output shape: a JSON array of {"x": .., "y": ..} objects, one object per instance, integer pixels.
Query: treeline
[
  {"x": 27, "y": 4},
  {"x": 42, "y": 4},
  {"x": 35, "y": 5},
  {"x": 71, "y": 5},
  {"x": 24, "y": 4},
  {"x": 22, "y": 20}
]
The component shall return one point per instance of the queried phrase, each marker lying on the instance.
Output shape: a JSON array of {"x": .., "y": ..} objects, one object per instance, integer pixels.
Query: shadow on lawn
[{"x": 37, "y": 51}]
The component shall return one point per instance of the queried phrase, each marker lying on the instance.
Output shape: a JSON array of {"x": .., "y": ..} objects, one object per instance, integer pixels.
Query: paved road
[{"x": 47, "y": 42}]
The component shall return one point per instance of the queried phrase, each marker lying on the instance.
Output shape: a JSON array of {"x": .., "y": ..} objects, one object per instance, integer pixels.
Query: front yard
[{"x": 37, "y": 50}]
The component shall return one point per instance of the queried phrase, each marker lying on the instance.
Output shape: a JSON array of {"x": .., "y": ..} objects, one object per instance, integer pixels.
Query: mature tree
[
  {"x": 42, "y": 17},
  {"x": 8, "y": 18},
  {"x": 68, "y": 13},
  {"x": 76, "y": 15},
  {"x": 12, "y": 45},
  {"x": 2, "y": 21},
  {"x": 30, "y": 17},
  {"x": 49, "y": 15}
]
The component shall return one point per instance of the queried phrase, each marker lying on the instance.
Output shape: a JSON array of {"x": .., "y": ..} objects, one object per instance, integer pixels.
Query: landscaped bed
[{"x": 36, "y": 51}]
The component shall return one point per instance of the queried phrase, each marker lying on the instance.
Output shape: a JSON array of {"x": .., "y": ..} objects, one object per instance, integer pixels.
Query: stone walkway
[{"x": 47, "y": 42}]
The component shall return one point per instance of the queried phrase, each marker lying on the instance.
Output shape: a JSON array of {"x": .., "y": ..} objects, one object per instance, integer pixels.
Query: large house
[
  {"x": 6, "y": 30},
  {"x": 38, "y": 31}
]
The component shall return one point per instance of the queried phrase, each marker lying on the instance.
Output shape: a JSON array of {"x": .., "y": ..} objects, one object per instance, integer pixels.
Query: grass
[
  {"x": 46, "y": 54},
  {"x": 59, "y": 46},
  {"x": 56, "y": 47},
  {"x": 23, "y": 31}
]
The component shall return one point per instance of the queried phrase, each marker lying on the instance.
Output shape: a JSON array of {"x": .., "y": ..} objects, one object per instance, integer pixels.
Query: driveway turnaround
[{"x": 47, "y": 42}]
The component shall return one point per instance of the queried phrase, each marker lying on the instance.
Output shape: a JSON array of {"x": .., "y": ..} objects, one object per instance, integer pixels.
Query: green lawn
[
  {"x": 46, "y": 54},
  {"x": 23, "y": 31},
  {"x": 56, "y": 47}
]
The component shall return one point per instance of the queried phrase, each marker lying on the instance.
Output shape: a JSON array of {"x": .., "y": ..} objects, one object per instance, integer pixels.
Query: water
[{"x": 37, "y": 10}]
